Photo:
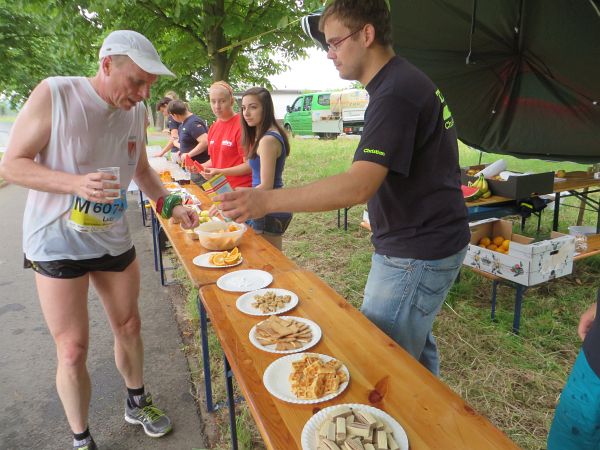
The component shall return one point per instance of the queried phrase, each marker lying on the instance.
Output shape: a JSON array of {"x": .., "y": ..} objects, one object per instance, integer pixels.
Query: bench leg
[
  {"x": 205, "y": 356},
  {"x": 519, "y": 290},
  {"x": 339, "y": 218},
  {"x": 494, "y": 288},
  {"x": 230, "y": 403}
]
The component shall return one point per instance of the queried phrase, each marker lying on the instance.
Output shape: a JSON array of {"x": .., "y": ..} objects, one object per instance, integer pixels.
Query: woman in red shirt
[{"x": 227, "y": 155}]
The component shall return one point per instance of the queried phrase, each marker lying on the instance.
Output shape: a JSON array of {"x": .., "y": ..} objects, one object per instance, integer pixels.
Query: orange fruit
[
  {"x": 232, "y": 228},
  {"x": 485, "y": 241},
  {"x": 493, "y": 247},
  {"x": 218, "y": 259},
  {"x": 232, "y": 259},
  {"x": 234, "y": 253},
  {"x": 506, "y": 244},
  {"x": 498, "y": 240}
]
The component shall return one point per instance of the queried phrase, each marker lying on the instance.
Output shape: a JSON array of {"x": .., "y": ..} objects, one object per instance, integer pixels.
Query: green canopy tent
[{"x": 522, "y": 77}]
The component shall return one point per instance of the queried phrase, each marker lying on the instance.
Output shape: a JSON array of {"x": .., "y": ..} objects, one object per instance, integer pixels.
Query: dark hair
[
  {"x": 177, "y": 107},
  {"x": 163, "y": 102},
  {"x": 355, "y": 14},
  {"x": 251, "y": 136}
]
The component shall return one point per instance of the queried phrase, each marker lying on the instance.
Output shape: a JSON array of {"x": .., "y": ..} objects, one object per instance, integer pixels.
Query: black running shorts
[{"x": 70, "y": 268}]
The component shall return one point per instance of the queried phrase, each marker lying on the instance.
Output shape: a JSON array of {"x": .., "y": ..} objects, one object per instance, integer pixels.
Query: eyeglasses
[{"x": 335, "y": 46}]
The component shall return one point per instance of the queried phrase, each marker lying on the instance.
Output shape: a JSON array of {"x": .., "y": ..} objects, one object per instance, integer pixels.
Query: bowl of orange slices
[{"x": 217, "y": 235}]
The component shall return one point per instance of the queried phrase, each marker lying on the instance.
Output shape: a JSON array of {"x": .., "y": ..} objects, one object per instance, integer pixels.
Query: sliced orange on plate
[{"x": 225, "y": 258}]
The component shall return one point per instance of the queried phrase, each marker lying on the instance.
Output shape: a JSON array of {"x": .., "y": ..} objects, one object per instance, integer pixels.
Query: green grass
[
  {"x": 9, "y": 119},
  {"x": 513, "y": 380}
]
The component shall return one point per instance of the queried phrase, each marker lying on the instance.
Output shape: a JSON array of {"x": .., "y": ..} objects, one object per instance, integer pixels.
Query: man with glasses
[{"x": 405, "y": 167}]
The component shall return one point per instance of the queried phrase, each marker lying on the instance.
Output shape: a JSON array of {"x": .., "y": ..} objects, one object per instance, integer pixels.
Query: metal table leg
[
  {"x": 494, "y": 288},
  {"x": 519, "y": 290},
  {"x": 154, "y": 224},
  {"x": 143, "y": 208},
  {"x": 556, "y": 211},
  {"x": 160, "y": 259},
  {"x": 230, "y": 403},
  {"x": 205, "y": 355}
]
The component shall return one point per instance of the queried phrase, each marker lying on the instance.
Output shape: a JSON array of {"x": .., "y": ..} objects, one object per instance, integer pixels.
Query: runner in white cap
[{"x": 73, "y": 233}]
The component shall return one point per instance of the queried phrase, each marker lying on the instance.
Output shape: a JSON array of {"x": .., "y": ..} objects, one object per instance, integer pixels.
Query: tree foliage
[
  {"x": 32, "y": 48},
  {"x": 242, "y": 41}
]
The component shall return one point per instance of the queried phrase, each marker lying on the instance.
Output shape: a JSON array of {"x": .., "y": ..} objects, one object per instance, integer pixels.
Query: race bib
[{"x": 93, "y": 217}]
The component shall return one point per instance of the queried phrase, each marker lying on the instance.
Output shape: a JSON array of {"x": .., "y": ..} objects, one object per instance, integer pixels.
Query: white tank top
[{"x": 86, "y": 134}]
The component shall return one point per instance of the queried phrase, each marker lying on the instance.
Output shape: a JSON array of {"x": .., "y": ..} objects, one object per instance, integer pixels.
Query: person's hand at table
[
  {"x": 586, "y": 320},
  {"x": 210, "y": 172},
  {"x": 187, "y": 216},
  {"x": 243, "y": 204}
]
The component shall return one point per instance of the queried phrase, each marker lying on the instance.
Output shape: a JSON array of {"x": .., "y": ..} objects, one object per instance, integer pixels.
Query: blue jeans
[
  {"x": 403, "y": 296},
  {"x": 576, "y": 424}
]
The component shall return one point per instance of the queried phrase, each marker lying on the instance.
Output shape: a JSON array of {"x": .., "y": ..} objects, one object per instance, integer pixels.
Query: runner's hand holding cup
[{"x": 111, "y": 184}]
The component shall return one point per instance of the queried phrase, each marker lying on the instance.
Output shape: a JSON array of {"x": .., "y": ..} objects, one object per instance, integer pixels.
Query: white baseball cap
[{"x": 138, "y": 48}]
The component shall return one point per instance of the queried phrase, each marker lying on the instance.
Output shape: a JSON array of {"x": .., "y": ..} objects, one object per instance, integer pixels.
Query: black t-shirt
[
  {"x": 419, "y": 211},
  {"x": 172, "y": 123},
  {"x": 189, "y": 131},
  {"x": 591, "y": 343}
]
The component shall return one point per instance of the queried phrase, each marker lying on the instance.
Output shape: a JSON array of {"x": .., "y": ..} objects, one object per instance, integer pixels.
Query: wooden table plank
[
  {"x": 571, "y": 184},
  {"x": 381, "y": 373}
]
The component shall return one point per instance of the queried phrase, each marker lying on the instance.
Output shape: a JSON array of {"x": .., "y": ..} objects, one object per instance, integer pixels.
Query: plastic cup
[{"x": 111, "y": 193}]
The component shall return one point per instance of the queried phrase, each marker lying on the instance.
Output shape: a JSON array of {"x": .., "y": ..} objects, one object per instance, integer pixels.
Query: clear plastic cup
[{"x": 110, "y": 192}]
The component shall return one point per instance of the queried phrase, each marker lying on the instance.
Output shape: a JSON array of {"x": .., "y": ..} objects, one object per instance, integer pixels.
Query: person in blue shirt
[
  {"x": 267, "y": 148},
  {"x": 171, "y": 125},
  {"x": 193, "y": 136}
]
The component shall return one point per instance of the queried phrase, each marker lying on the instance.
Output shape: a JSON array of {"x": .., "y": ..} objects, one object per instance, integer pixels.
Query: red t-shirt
[{"x": 225, "y": 149}]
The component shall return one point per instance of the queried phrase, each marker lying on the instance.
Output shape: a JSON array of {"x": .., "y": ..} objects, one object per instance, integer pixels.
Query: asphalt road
[
  {"x": 4, "y": 130},
  {"x": 31, "y": 416}
]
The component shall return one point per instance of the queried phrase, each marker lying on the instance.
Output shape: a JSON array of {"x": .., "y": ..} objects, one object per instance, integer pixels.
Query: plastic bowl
[{"x": 213, "y": 235}]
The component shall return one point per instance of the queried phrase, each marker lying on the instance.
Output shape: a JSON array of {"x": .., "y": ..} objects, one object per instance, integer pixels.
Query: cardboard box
[
  {"x": 518, "y": 187},
  {"x": 527, "y": 262}
]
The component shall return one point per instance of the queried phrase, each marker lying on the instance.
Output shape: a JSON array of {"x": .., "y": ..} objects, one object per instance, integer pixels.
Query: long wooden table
[
  {"x": 257, "y": 253},
  {"x": 382, "y": 374}
]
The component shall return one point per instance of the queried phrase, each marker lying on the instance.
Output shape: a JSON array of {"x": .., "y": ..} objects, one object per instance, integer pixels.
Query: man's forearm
[
  {"x": 335, "y": 192},
  {"x": 200, "y": 148},
  {"x": 28, "y": 173}
]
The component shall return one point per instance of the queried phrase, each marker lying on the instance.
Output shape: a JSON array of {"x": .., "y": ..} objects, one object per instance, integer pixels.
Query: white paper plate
[
  {"x": 202, "y": 261},
  {"x": 314, "y": 328},
  {"x": 310, "y": 431},
  {"x": 245, "y": 280},
  {"x": 276, "y": 380},
  {"x": 244, "y": 302}
]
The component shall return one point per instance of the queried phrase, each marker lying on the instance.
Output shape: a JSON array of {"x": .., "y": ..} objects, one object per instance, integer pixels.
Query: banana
[
  {"x": 483, "y": 184},
  {"x": 486, "y": 194}
]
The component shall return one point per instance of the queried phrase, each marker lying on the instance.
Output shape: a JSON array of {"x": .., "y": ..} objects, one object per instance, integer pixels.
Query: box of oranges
[{"x": 495, "y": 249}]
